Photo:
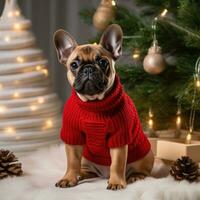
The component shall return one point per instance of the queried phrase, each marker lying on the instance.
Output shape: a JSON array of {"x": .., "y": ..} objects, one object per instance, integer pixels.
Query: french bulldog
[{"x": 92, "y": 75}]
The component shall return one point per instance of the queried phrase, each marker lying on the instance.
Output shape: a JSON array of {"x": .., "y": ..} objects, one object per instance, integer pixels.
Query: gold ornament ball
[
  {"x": 154, "y": 62},
  {"x": 103, "y": 15}
]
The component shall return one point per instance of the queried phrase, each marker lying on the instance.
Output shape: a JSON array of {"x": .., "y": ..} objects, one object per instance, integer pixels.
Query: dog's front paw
[
  {"x": 67, "y": 181},
  {"x": 64, "y": 183},
  {"x": 116, "y": 184},
  {"x": 135, "y": 177}
]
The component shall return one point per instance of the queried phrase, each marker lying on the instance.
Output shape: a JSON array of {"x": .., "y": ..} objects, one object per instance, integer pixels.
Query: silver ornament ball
[{"x": 154, "y": 62}]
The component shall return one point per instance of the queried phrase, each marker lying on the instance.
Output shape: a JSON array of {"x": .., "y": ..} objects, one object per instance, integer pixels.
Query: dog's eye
[
  {"x": 97, "y": 58},
  {"x": 74, "y": 65},
  {"x": 103, "y": 63}
]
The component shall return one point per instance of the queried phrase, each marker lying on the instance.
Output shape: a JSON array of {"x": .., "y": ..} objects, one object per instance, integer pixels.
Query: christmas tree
[
  {"x": 29, "y": 109},
  {"x": 177, "y": 32}
]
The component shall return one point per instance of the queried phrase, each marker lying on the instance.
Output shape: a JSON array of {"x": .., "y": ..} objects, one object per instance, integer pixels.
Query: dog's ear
[
  {"x": 64, "y": 44},
  {"x": 112, "y": 39}
]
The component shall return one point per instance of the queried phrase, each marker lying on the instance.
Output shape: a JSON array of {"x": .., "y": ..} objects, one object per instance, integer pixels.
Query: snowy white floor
[{"x": 45, "y": 167}]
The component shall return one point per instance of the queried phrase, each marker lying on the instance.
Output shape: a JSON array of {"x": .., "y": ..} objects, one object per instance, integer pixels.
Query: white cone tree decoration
[{"x": 29, "y": 109}]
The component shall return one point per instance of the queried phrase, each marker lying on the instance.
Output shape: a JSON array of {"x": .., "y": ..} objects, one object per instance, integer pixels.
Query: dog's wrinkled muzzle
[{"x": 90, "y": 80}]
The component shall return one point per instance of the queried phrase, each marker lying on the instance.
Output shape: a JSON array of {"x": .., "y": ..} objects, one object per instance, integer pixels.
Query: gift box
[{"x": 171, "y": 150}]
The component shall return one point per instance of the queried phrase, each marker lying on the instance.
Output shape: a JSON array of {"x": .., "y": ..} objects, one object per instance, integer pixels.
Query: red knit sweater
[{"x": 100, "y": 125}]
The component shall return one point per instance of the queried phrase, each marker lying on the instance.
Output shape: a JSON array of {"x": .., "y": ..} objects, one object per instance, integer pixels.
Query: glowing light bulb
[
  {"x": 17, "y": 26},
  {"x": 2, "y": 109},
  {"x": 38, "y": 67},
  {"x": 136, "y": 54},
  {"x": 16, "y": 94},
  {"x": 40, "y": 100},
  {"x": 150, "y": 113},
  {"x": 49, "y": 123},
  {"x": 94, "y": 43},
  {"x": 45, "y": 72},
  {"x": 150, "y": 123},
  {"x": 113, "y": 3},
  {"x": 10, "y": 14},
  {"x": 198, "y": 83},
  {"x": 10, "y": 130},
  {"x": 178, "y": 120},
  {"x": 7, "y": 39},
  {"x": 33, "y": 107},
  {"x": 20, "y": 59},
  {"x": 164, "y": 12},
  {"x": 188, "y": 138},
  {"x": 17, "y": 13}
]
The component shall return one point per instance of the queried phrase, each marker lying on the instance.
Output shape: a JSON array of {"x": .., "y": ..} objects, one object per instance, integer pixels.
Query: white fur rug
[{"x": 44, "y": 167}]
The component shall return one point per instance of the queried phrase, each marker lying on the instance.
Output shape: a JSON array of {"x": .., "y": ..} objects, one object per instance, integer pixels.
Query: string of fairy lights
[
  {"x": 193, "y": 104},
  {"x": 136, "y": 56},
  {"x": 113, "y": 3},
  {"x": 35, "y": 105}
]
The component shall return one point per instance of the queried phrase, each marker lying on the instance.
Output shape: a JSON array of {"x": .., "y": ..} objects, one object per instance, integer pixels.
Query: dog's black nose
[{"x": 88, "y": 69}]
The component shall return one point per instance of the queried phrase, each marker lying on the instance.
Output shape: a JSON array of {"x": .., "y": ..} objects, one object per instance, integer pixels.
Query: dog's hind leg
[
  {"x": 140, "y": 169},
  {"x": 88, "y": 170},
  {"x": 87, "y": 175}
]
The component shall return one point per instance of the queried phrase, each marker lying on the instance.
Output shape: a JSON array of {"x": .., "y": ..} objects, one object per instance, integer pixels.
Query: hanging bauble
[
  {"x": 154, "y": 62},
  {"x": 104, "y": 14}
]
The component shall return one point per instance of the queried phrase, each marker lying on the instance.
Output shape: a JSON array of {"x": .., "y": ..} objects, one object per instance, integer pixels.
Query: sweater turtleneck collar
[{"x": 112, "y": 101}]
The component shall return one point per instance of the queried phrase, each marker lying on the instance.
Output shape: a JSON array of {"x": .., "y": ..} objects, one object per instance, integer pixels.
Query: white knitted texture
[{"x": 29, "y": 109}]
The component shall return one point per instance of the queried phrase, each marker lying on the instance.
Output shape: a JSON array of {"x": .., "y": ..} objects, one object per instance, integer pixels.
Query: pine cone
[
  {"x": 9, "y": 165},
  {"x": 185, "y": 168}
]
